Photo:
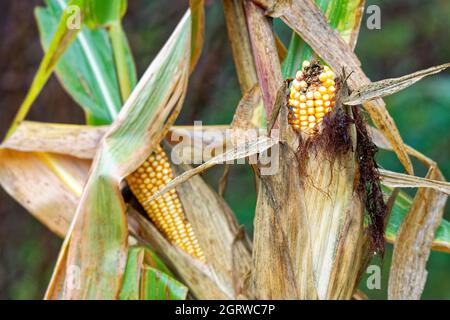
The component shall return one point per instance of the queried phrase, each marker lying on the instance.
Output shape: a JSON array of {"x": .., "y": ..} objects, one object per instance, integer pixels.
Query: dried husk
[
  {"x": 412, "y": 248},
  {"x": 309, "y": 240}
]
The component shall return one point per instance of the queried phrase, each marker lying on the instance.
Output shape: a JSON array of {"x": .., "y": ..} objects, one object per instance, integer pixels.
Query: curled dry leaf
[
  {"x": 387, "y": 87},
  {"x": 400, "y": 180},
  {"x": 408, "y": 273},
  {"x": 240, "y": 151}
]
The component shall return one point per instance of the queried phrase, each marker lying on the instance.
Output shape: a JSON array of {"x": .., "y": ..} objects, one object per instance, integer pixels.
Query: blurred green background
[{"x": 413, "y": 35}]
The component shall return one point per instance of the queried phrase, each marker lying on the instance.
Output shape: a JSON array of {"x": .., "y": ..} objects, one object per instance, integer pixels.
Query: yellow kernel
[
  {"x": 306, "y": 64},
  {"x": 312, "y": 119},
  {"x": 311, "y": 111},
  {"x": 318, "y": 103},
  {"x": 322, "y": 89},
  {"x": 304, "y": 123},
  {"x": 320, "y": 109},
  {"x": 328, "y": 83},
  {"x": 327, "y": 103},
  {"x": 302, "y": 111},
  {"x": 330, "y": 74},
  {"x": 310, "y": 103},
  {"x": 303, "y": 118},
  {"x": 310, "y": 95},
  {"x": 303, "y": 84},
  {"x": 296, "y": 85},
  {"x": 326, "y": 97},
  {"x": 299, "y": 75},
  {"x": 312, "y": 125},
  {"x": 323, "y": 77},
  {"x": 331, "y": 89},
  {"x": 320, "y": 115},
  {"x": 317, "y": 95},
  {"x": 166, "y": 211},
  {"x": 302, "y": 98},
  {"x": 302, "y": 105},
  {"x": 326, "y": 68}
]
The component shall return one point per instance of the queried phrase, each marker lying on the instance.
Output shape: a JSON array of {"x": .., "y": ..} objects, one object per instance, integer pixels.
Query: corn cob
[
  {"x": 312, "y": 96},
  {"x": 166, "y": 211}
]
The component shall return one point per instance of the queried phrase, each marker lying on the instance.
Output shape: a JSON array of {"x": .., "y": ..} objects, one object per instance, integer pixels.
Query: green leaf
[
  {"x": 140, "y": 283},
  {"x": 441, "y": 241},
  {"x": 85, "y": 68},
  {"x": 124, "y": 62},
  {"x": 61, "y": 38},
  {"x": 132, "y": 276},
  {"x": 342, "y": 15},
  {"x": 102, "y": 12},
  {"x": 157, "y": 285}
]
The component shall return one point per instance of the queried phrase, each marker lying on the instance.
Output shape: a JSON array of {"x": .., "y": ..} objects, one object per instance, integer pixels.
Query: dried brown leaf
[
  {"x": 240, "y": 43},
  {"x": 400, "y": 180},
  {"x": 411, "y": 250},
  {"x": 242, "y": 150},
  {"x": 265, "y": 54},
  {"x": 387, "y": 87},
  {"x": 47, "y": 185},
  {"x": 79, "y": 141}
]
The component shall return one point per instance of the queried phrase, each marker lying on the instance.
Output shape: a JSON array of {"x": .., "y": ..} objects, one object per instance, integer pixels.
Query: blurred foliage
[{"x": 410, "y": 39}]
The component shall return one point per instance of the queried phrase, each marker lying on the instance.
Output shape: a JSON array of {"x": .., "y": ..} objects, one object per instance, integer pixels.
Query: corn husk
[
  {"x": 309, "y": 207},
  {"x": 224, "y": 243}
]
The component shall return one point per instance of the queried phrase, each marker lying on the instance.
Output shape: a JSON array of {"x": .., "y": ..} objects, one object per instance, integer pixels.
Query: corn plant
[{"x": 137, "y": 225}]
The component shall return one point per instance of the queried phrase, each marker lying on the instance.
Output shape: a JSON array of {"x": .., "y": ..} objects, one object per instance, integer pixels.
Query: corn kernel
[
  {"x": 166, "y": 211},
  {"x": 312, "y": 96}
]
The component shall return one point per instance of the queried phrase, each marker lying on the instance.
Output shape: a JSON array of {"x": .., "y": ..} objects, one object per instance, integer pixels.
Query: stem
[{"x": 118, "y": 44}]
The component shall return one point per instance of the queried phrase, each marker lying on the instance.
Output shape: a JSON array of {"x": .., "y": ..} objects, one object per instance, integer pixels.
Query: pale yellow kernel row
[{"x": 166, "y": 211}]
